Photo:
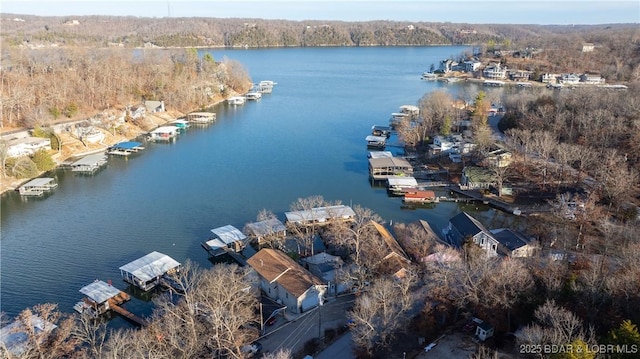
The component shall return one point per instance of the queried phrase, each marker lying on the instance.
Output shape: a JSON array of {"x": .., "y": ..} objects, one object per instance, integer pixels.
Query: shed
[
  {"x": 484, "y": 331},
  {"x": 146, "y": 272}
]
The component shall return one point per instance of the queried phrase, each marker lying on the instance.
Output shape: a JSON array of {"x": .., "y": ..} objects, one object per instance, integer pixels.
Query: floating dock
[{"x": 102, "y": 297}]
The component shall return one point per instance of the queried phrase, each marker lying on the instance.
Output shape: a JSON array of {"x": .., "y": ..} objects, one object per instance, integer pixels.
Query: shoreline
[{"x": 9, "y": 184}]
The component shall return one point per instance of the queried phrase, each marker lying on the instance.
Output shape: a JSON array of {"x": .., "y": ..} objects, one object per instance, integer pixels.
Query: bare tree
[
  {"x": 555, "y": 325},
  {"x": 380, "y": 313},
  {"x": 307, "y": 231},
  {"x": 92, "y": 333}
]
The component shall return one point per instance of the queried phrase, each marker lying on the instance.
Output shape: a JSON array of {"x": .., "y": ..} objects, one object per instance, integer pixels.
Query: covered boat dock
[
  {"x": 100, "y": 298},
  {"x": 201, "y": 117},
  {"x": 225, "y": 239},
  {"x": 321, "y": 215},
  {"x": 38, "y": 186},
  {"x": 90, "y": 163},
  {"x": 381, "y": 168},
  {"x": 125, "y": 148},
  {"x": 147, "y": 272}
]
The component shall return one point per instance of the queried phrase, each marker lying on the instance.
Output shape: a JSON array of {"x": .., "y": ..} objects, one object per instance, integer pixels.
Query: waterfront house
[
  {"x": 472, "y": 65},
  {"x": 499, "y": 157},
  {"x": 549, "y": 78},
  {"x": 446, "y": 65},
  {"x": 455, "y": 144},
  {"x": 325, "y": 267},
  {"x": 463, "y": 226},
  {"x": 18, "y": 336},
  {"x": 494, "y": 71},
  {"x": 513, "y": 243},
  {"x": 27, "y": 146},
  {"x": 148, "y": 271},
  {"x": 520, "y": 75},
  {"x": 226, "y": 238},
  {"x": 285, "y": 281},
  {"x": 381, "y": 168},
  {"x": 569, "y": 79},
  {"x": 321, "y": 215},
  {"x": 266, "y": 231}
]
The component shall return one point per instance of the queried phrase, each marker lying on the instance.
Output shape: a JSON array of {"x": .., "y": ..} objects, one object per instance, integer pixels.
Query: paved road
[
  {"x": 340, "y": 349},
  {"x": 299, "y": 330}
]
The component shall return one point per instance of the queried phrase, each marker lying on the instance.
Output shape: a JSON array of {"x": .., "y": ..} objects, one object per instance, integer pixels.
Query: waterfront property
[
  {"x": 163, "y": 133},
  {"x": 285, "y": 281},
  {"x": 100, "y": 297},
  {"x": 266, "y": 231},
  {"x": 125, "y": 148},
  {"x": 376, "y": 141},
  {"x": 147, "y": 272},
  {"x": 321, "y": 215},
  {"x": 227, "y": 238},
  {"x": 381, "y": 168},
  {"x": 463, "y": 226},
  {"x": 90, "y": 163},
  {"x": 38, "y": 186},
  {"x": 325, "y": 266},
  {"x": 27, "y": 146},
  {"x": 181, "y": 124},
  {"x": 201, "y": 117}
]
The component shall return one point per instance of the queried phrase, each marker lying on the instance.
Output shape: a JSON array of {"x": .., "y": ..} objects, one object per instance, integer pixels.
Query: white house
[
  {"x": 569, "y": 79},
  {"x": 494, "y": 71},
  {"x": 27, "y": 146},
  {"x": 591, "y": 79},
  {"x": 472, "y": 66},
  {"x": 285, "y": 281}
]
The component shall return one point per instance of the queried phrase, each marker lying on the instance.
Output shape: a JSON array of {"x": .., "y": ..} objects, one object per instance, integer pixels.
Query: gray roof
[
  {"x": 150, "y": 266},
  {"x": 90, "y": 160},
  {"x": 228, "y": 234},
  {"x": 467, "y": 225},
  {"x": 512, "y": 240},
  {"x": 266, "y": 227},
  {"x": 99, "y": 291},
  {"x": 389, "y": 162},
  {"x": 320, "y": 214},
  {"x": 42, "y": 181}
]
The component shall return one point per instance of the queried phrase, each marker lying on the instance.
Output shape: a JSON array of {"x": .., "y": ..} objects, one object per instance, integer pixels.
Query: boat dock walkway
[{"x": 125, "y": 313}]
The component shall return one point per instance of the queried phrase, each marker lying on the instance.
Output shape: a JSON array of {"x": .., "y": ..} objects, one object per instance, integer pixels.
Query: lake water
[{"x": 304, "y": 139}]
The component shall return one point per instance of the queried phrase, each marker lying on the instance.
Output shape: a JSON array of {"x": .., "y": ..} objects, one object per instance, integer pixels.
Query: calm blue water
[{"x": 307, "y": 138}]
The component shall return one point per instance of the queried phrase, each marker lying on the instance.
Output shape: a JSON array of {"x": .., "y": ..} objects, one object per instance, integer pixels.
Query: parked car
[{"x": 253, "y": 349}]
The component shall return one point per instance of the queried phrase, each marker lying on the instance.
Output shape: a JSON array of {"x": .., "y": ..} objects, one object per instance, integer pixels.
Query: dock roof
[
  {"x": 150, "y": 266},
  {"x": 42, "y": 181},
  {"x": 380, "y": 154},
  {"x": 228, "y": 234},
  {"x": 402, "y": 181},
  {"x": 99, "y": 291},
  {"x": 90, "y": 160},
  {"x": 266, "y": 227},
  {"x": 383, "y": 162},
  {"x": 320, "y": 214},
  {"x": 165, "y": 129},
  {"x": 129, "y": 145}
]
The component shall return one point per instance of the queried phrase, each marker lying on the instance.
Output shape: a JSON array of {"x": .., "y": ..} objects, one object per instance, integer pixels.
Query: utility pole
[{"x": 261, "y": 321}]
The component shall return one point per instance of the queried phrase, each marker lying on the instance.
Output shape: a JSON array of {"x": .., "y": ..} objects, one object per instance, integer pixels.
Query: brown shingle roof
[{"x": 273, "y": 265}]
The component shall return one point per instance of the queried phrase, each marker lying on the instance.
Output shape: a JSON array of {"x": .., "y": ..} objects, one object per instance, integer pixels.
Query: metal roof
[
  {"x": 42, "y": 181},
  {"x": 389, "y": 162},
  {"x": 266, "y": 227},
  {"x": 380, "y": 154},
  {"x": 228, "y": 234},
  {"x": 127, "y": 145},
  {"x": 99, "y": 291},
  {"x": 372, "y": 138},
  {"x": 165, "y": 129},
  {"x": 90, "y": 159},
  {"x": 402, "y": 181},
  {"x": 320, "y": 214},
  {"x": 150, "y": 266}
]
